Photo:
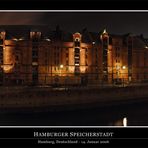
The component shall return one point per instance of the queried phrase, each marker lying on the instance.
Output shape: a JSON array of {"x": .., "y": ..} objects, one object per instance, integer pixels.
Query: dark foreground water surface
[{"x": 108, "y": 115}]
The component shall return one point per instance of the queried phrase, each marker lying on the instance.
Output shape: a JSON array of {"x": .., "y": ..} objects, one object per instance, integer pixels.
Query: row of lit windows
[{"x": 58, "y": 68}]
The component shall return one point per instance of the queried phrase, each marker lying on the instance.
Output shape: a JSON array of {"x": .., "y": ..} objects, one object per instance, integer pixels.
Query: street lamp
[
  {"x": 61, "y": 67},
  {"x": 125, "y": 122},
  {"x": 123, "y": 67}
]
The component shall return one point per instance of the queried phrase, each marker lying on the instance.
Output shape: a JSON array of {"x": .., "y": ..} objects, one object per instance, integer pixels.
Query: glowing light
[
  {"x": 125, "y": 122},
  {"x": 77, "y": 35},
  {"x": 93, "y": 43},
  {"x": 61, "y": 66},
  {"x": 117, "y": 67},
  {"x": 34, "y": 63},
  {"x": 104, "y": 31},
  {"x": 82, "y": 69},
  {"x": 76, "y": 57},
  {"x": 146, "y": 47},
  {"x": 15, "y": 39},
  {"x": 123, "y": 67},
  {"x": 7, "y": 68},
  {"x": 20, "y": 39},
  {"x": 48, "y": 40}
]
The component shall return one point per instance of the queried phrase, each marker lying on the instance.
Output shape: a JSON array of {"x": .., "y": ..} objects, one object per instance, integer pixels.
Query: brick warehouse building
[{"x": 36, "y": 55}]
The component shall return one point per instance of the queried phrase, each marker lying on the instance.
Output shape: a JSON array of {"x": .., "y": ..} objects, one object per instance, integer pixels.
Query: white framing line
[
  {"x": 91, "y": 11},
  {"x": 73, "y": 10},
  {"x": 106, "y": 127},
  {"x": 70, "y": 138}
]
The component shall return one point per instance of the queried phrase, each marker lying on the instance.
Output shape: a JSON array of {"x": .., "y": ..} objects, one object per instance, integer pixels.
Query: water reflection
[
  {"x": 125, "y": 122},
  {"x": 120, "y": 122}
]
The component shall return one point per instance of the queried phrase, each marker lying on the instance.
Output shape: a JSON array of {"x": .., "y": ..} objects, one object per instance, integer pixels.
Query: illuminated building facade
[{"x": 36, "y": 55}]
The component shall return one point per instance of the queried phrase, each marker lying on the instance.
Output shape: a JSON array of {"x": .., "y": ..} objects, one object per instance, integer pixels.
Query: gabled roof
[
  {"x": 138, "y": 42},
  {"x": 61, "y": 36},
  {"x": 23, "y": 31},
  {"x": 90, "y": 37}
]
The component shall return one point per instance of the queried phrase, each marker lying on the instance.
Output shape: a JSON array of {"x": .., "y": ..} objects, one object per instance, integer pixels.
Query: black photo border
[{"x": 144, "y": 129}]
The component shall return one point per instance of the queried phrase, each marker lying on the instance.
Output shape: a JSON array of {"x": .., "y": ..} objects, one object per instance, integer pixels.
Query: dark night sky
[{"x": 116, "y": 23}]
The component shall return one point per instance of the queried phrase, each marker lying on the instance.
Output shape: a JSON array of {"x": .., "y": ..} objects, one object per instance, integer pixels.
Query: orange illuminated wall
[{"x": 8, "y": 56}]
